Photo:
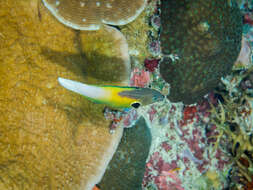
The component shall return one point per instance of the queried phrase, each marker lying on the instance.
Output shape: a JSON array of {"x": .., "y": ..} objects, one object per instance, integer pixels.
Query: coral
[
  {"x": 181, "y": 152},
  {"x": 127, "y": 167},
  {"x": 156, "y": 21},
  {"x": 90, "y": 15},
  {"x": 130, "y": 118},
  {"x": 50, "y": 138},
  {"x": 155, "y": 48},
  {"x": 98, "y": 52},
  {"x": 206, "y": 37},
  {"x": 127, "y": 118},
  {"x": 139, "y": 78},
  {"x": 189, "y": 113},
  {"x": 151, "y": 64},
  {"x": 244, "y": 58},
  {"x": 168, "y": 177},
  {"x": 136, "y": 34},
  {"x": 233, "y": 121},
  {"x": 248, "y": 19},
  {"x": 105, "y": 50}
]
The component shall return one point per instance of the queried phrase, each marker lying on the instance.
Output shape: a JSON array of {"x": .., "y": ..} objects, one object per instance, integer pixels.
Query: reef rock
[
  {"x": 50, "y": 138},
  {"x": 206, "y": 37}
]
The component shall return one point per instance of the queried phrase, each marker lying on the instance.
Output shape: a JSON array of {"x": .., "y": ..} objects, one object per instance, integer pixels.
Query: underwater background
[{"x": 126, "y": 95}]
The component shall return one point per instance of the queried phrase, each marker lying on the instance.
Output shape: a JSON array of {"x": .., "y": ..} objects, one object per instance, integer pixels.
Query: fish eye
[{"x": 135, "y": 105}]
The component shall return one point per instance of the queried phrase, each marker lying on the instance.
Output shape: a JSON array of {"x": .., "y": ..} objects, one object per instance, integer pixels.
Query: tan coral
[
  {"x": 50, "y": 138},
  {"x": 136, "y": 34},
  {"x": 97, "y": 47},
  {"x": 90, "y": 14}
]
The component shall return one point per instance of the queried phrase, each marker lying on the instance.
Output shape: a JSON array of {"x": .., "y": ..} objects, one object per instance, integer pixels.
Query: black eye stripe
[{"x": 135, "y": 104}]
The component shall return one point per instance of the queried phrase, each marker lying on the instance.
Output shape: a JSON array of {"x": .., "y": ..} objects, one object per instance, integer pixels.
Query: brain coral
[
  {"x": 90, "y": 14},
  {"x": 206, "y": 36}
]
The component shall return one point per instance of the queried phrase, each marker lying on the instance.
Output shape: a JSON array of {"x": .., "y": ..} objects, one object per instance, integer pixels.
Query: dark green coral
[
  {"x": 206, "y": 35},
  {"x": 126, "y": 169}
]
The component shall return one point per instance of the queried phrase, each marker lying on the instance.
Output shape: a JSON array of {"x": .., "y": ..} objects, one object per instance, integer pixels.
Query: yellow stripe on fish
[{"x": 114, "y": 96}]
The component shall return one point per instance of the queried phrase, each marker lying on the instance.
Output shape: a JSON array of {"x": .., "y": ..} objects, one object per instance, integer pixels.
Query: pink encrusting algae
[
  {"x": 127, "y": 118},
  {"x": 181, "y": 152},
  {"x": 151, "y": 64},
  {"x": 139, "y": 78}
]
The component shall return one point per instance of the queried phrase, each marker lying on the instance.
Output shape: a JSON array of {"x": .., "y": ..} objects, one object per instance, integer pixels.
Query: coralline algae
[
  {"x": 206, "y": 36},
  {"x": 182, "y": 156}
]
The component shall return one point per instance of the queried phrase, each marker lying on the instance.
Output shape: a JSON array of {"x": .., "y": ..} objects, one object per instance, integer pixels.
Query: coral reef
[
  {"x": 137, "y": 34},
  {"x": 140, "y": 78},
  {"x": 50, "y": 138},
  {"x": 181, "y": 153},
  {"x": 206, "y": 37},
  {"x": 105, "y": 50},
  {"x": 126, "y": 169},
  {"x": 137, "y": 37},
  {"x": 233, "y": 119},
  {"x": 90, "y": 15},
  {"x": 98, "y": 52},
  {"x": 126, "y": 118}
]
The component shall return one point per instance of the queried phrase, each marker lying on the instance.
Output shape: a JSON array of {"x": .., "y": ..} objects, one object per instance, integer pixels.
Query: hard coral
[
  {"x": 126, "y": 169},
  {"x": 206, "y": 36},
  {"x": 105, "y": 50},
  {"x": 90, "y": 14},
  {"x": 50, "y": 138},
  {"x": 136, "y": 34}
]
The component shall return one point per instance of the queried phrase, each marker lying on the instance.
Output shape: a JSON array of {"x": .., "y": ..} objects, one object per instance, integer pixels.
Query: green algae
[{"x": 206, "y": 36}]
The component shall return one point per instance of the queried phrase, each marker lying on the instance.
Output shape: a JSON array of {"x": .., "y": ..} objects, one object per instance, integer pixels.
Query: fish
[{"x": 114, "y": 96}]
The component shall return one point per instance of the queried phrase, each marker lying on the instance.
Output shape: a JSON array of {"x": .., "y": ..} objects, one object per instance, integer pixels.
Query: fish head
[
  {"x": 142, "y": 96},
  {"x": 157, "y": 96}
]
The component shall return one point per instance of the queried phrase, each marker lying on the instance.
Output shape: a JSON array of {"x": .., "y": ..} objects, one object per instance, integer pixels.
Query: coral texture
[
  {"x": 206, "y": 37},
  {"x": 89, "y": 14},
  {"x": 105, "y": 50},
  {"x": 50, "y": 138},
  {"x": 136, "y": 34},
  {"x": 127, "y": 167}
]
